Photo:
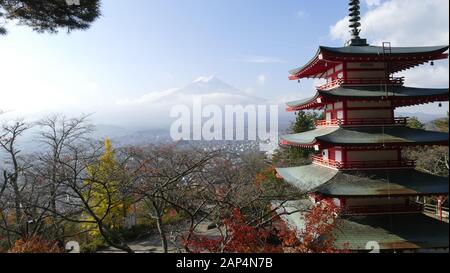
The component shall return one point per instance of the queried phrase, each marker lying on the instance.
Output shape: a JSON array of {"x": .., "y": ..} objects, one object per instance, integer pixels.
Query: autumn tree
[
  {"x": 317, "y": 235},
  {"x": 237, "y": 236},
  {"x": 241, "y": 235},
  {"x": 50, "y": 15},
  {"x": 13, "y": 187},
  {"x": 89, "y": 192},
  {"x": 239, "y": 202},
  {"x": 35, "y": 244},
  {"x": 58, "y": 135},
  {"x": 434, "y": 159},
  {"x": 107, "y": 196},
  {"x": 169, "y": 178}
]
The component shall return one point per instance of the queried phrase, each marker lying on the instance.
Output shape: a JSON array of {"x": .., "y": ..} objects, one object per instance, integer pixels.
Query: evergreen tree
[
  {"x": 304, "y": 121},
  {"x": 50, "y": 15}
]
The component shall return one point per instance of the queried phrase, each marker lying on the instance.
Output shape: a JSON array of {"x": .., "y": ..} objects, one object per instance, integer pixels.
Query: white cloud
[
  {"x": 262, "y": 79},
  {"x": 372, "y": 3},
  {"x": 401, "y": 22},
  {"x": 249, "y": 91},
  {"x": 148, "y": 98},
  {"x": 428, "y": 76},
  {"x": 282, "y": 100},
  {"x": 406, "y": 23}
]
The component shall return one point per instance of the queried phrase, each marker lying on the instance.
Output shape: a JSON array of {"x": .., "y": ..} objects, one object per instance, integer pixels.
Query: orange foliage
[
  {"x": 240, "y": 238},
  {"x": 317, "y": 236},
  {"x": 243, "y": 238},
  {"x": 265, "y": 174},
  {"x": 35, "y": 244}
]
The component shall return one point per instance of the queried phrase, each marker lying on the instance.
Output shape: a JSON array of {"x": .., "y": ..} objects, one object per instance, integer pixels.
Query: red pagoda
[{"x": 360, "y": 161}]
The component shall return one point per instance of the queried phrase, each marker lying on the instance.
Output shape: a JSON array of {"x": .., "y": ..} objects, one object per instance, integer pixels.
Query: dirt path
[{"x": 152, "y": 243}]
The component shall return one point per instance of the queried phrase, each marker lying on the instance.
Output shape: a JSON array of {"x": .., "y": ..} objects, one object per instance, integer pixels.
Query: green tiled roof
[
  {"x": 374, "y": 135},
  {"x": 378, "y": 50},
  {"x": 391, "y": 232},
  {"x": 310, "y": 136},
  {"x": 372, "y": 50},
  {"x": 382, "y": 182},
  {"x": 307, "y": 178},
  {"x": 368, "y": 136},
  {"x": 374, "y": 92},
  {"x": 326, "y": 181},
  {"x": 303, "y": 101}
]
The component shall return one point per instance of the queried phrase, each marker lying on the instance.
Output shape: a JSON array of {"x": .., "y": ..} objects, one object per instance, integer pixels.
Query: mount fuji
[
  {"x": 152, "y": 110},
  {"x": 211, "y": 89}
]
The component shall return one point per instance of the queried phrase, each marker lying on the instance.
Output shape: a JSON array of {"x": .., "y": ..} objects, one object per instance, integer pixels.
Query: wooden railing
[
  {"x": 362, "y": 81},
  {"x": 355, "y": 165},
  {"x": 362, "y": 121},
  {"x": 413, "y": 207},
  {"x": 434, "y": 209}
]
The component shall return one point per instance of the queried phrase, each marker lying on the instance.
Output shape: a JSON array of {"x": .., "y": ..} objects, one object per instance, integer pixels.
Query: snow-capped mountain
[
  {"x": 211, "y": 89},
  {"x": 153, "y": 109},
  {"x": 208, "y": 85}
]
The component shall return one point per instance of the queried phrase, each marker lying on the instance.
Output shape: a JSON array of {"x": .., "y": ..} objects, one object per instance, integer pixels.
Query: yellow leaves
[{"x": 104, "y": 195}]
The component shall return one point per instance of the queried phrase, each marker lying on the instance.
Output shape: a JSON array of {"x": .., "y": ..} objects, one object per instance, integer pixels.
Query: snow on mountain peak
[{"x": 204, "y": 79}]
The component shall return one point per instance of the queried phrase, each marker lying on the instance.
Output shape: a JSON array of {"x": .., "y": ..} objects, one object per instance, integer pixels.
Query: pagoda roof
[
  {"x": 391, "y": 231},
  {"x": 378, "y": 50},
  {"x": 366, "y": 136},
  {"x": 400, "y": 58},
  {"x": 400, "y": 95},
  {"x": 367, "y": 183},
  {"x": 308, "y": 138},
  {"x": 413, "y": 231}
]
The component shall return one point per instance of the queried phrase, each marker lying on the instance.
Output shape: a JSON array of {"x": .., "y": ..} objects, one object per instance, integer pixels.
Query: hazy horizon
[{"x": 129, "y": 67}]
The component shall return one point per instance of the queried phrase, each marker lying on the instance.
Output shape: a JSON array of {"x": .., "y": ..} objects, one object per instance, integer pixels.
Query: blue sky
[{"x": 143, "y": 46}]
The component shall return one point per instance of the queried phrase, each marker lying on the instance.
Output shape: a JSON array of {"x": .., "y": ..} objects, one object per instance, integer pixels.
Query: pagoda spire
[
  {"x": 355, "y": 24},
  {"x": 355, "y": 18}
]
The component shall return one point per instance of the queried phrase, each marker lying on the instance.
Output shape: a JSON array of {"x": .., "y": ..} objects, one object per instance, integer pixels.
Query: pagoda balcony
[
  {"x": 398, "y": 81},
  {"x": 363, "y": 165},
  {"x": 363, "y": 210},
  {"x": 361, "y": 122}
]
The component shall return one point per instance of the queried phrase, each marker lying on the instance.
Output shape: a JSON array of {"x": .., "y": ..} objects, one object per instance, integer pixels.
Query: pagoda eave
[
  {"x": 401, "y": 58},
  {"x": 360, "y": 146},
  {"x": 400, "y": 96},
  {"x": 366, "y": 136},
  {"x": 376, "y": 146},
  {"x": 392, "y": 232},
  {"x": 363, "y": 183}
]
